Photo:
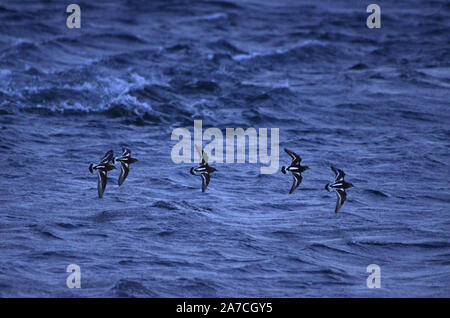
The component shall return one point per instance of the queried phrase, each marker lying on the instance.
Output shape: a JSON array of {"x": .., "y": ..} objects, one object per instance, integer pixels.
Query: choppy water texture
[{"x": 375, "y": 103}]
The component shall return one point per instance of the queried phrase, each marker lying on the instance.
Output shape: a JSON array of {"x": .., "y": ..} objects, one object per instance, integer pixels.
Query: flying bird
[
  {"x": 125, "y": 161},
  {"x": 102, "y": 168},
  {"x": 295, "y": 168},
  {"x": 339, "y": 185},
  {"x": 204, "y": 170}
]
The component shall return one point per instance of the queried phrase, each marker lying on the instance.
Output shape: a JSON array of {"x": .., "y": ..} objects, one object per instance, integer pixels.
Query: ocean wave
[
  {"x": 376, "y": 193},
  {"x": 405, "y": 244},
  {"x": 213, "y": 16},
  {"x": 131, "y": 288},
  {"x": 279, "y": 53}
]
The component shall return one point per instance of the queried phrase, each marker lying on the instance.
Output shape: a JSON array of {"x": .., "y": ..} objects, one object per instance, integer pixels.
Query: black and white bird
[
  {"x": 204, "y": 170},
  {"x": 125, "y": 161},
  {"x": 340, "y": 185},
  {"x": 295, "y": 168},
  {"x": 102, "y": 168}
]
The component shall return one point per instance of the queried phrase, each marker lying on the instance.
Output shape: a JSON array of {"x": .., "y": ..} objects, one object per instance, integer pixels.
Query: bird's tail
[
  {"x": 283, "y": 169},
  {"x": 91, "y": 169},
  {"x": 327, "y": 187},
  {"x": 192, "y": 171}
]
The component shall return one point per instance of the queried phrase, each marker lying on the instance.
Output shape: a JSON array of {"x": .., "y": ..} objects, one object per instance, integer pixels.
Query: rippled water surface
[{"x": 373, "y": 102}]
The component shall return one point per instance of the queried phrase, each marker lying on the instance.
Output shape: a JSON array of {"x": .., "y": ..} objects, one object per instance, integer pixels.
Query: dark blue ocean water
[{"x": 373, "y": 102}]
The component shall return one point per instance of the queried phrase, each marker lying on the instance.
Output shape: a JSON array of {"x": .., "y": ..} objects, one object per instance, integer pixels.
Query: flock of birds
[
  {"x": 107, "y": 164},
  {"x": 204, "y": 170}
]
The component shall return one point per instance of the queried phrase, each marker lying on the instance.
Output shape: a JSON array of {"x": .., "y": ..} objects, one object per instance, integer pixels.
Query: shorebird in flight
[
  {"x": 125, "y": 161},
  {"x": 204, "y": 170},
  {"x": 339, "y": 185},
  {"x": 102, "y": 168},
  {"x": 295, "y": 168}
]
